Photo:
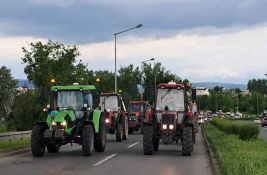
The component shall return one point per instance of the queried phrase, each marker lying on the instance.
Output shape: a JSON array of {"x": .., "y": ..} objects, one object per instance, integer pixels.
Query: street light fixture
[
  {"x": 151, "y": 59},
  {"x": 115, "y": 35}
]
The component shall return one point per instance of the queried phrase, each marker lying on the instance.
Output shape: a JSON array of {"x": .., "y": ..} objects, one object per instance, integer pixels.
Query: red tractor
[
  {"x": 113, "y": 105},
  {"x": 137, "y": 114},
  {"x": 172, "y": 119}
]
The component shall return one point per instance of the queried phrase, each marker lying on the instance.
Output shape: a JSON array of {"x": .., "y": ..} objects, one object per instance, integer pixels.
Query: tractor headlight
[
  {"x": 54, "y": 123},
  {"x": 106, "y": 120},
  {"x": 64, "y": 123},
  {"x": 171, "y": 126},
  {"x": 164, "y": 126}
]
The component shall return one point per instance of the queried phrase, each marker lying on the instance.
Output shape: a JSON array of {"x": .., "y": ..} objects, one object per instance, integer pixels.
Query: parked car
[
  {"x": 238, "y": 115},
  {"x": 263, "y": 121}
]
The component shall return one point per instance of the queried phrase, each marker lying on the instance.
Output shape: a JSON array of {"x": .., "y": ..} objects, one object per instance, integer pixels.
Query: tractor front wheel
[
  {"x": 187, "y": 141},
  {"x": 119, "y": 132},
  {"x": 148, "y": 145},
  {"x": 88, "y": 140},
  {"x": 37, "y": 144},
  {"x": 101, "y": 136},
  {"x": 125, "y": 128}
]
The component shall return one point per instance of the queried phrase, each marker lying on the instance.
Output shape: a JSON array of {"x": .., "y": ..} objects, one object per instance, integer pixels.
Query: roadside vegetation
[
  {"x": 236, "y": 156},
  {"x": 244, "y": 130},
  {"x": 14, "y": 144}
]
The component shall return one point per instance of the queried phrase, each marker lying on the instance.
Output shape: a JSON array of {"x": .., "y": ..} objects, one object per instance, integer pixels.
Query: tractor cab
[
  {"x": 112, "y": 103},
  {"x": 137, "y": 111},
  {"x": 170, "y": 105},
  {"x": 76, "y": 98}
]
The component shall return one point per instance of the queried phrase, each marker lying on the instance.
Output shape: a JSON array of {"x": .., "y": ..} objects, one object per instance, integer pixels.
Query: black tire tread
[
  {"x": 37, "y": 147},
  {"x": 87, "y": 135},
  {"x": 148, "y": 145},
  {"x": 187, "y": 141},
  {"x": 99, "y": 142}
]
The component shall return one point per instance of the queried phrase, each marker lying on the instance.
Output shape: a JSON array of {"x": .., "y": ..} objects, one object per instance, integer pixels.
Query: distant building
[
  {"x": 245, "y": 93},
  {"x": 202, "y": 91}
]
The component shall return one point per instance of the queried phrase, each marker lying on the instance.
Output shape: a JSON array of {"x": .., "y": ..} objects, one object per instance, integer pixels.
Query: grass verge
[
  {"x": 14, "y": 144},
  {"x": 235, "y": 156}
]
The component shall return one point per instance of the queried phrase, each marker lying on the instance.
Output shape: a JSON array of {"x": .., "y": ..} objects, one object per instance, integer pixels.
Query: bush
[{"x": 244, "y": 130}]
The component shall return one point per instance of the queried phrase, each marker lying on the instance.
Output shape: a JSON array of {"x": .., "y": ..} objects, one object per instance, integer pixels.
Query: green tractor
[{"x": 70, "y": 119}]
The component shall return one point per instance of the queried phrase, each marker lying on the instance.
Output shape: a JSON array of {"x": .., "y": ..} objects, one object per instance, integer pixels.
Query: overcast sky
[{"x": 202, "y": 40}]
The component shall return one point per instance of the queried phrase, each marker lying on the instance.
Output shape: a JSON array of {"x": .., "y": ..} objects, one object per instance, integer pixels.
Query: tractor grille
[{"x": 168, "y": 119}]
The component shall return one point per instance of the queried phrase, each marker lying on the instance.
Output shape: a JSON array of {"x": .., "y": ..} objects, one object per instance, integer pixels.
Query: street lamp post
[
  {"x": 151, "y": 59},
  {"x": 115, "y": 35}
]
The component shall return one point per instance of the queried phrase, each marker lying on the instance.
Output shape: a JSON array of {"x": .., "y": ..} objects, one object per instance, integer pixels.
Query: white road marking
[
  {"x": 132, "y": 145},
  {"x": 104, "y": 160}
]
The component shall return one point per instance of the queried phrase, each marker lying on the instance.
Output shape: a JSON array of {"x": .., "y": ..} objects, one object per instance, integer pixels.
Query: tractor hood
[{"x": 61, "y": 115}]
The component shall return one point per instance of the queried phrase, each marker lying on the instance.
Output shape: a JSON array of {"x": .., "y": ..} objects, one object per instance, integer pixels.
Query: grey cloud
[{"x": 96, "y": 20}]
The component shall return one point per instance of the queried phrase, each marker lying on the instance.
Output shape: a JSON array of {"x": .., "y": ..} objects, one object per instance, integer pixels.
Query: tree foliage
[
  {"x": 7, "y": 92},
  {"x": 53, "y": 60}
]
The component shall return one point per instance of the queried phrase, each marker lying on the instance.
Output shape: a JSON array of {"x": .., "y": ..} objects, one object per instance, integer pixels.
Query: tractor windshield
[
  {"x": 171, "y": 98},
  {"x": 70, "y": 99},
  {"x": 136, "y": 108},
  {"x": 110, "y": 103}
]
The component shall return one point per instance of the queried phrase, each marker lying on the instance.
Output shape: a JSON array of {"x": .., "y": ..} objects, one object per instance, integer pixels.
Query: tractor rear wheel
[
  {"x": 125, "y": 128},
  {"x": 187, "y": 141},
  {"x": 148, "y": 145},
  {"x": 119, "y": 132},
  {"x": 88, "y": 140},
  {"x": 52, "y": 148},
  {"x": 101, "y": 136},
  {"x": 37, "y": 144}
]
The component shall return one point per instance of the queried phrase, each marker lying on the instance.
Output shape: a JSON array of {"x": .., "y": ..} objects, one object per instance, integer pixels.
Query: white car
[
  {"x": 201, "y": 120},
  {"x": 238, "y": 115}
]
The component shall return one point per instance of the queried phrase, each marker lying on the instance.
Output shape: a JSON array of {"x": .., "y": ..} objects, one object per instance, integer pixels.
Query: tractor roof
[
  {"x": 138, "y": 102},
  {"x": 170, "y": 86},
  {"x": 73, "y": 88},
  {"x": 109, "y": 94}
]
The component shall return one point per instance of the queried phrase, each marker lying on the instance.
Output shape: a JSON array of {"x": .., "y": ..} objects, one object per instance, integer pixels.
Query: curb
[
  {"x": 214, "y": 163},
  {"x": 14, "y": 152}
]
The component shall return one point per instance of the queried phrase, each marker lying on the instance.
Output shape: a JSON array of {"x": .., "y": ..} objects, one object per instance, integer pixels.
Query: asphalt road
[
  {"x": 125, "y": 158},
  {"x": 263, "y": 132}
]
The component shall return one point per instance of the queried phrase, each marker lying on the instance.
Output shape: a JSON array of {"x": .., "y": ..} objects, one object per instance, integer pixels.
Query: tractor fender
[{"x": 41, "y": 123}]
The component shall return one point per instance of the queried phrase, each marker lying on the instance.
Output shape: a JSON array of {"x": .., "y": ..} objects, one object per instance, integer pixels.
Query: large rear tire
[
  {"x": 101, "y": 136},
  {"x": 88, "y": 140},
  {"x": 37, "y": 144},
  {"x": 187, "y": 141},
  {"x": 52, "y": 148},
  {"x": 119, "y": 132},
  {"x": 148, "y": 145},
  {"x": 125, "y": 128}
]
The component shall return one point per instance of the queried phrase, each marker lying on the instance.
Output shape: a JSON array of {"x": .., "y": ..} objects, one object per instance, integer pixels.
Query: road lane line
[
  {"x": 132, "y": 145},
  {"x": 104, "y": 160}
]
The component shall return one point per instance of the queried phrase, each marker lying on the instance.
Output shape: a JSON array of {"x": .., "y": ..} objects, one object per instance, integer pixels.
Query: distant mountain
[
  {"x": 211, "y": 85},
  {"x": 25, "y": 83}
]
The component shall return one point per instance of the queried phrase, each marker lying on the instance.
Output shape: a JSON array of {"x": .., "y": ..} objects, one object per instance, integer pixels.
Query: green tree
[
  {"x": 53, "y": 60},
  {"x": 26, "y": 111},
  {"x": 7, "y": 92}
]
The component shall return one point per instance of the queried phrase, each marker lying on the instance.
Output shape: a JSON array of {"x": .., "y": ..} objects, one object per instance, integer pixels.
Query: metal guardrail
[{"x": 8, "y": 136}]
